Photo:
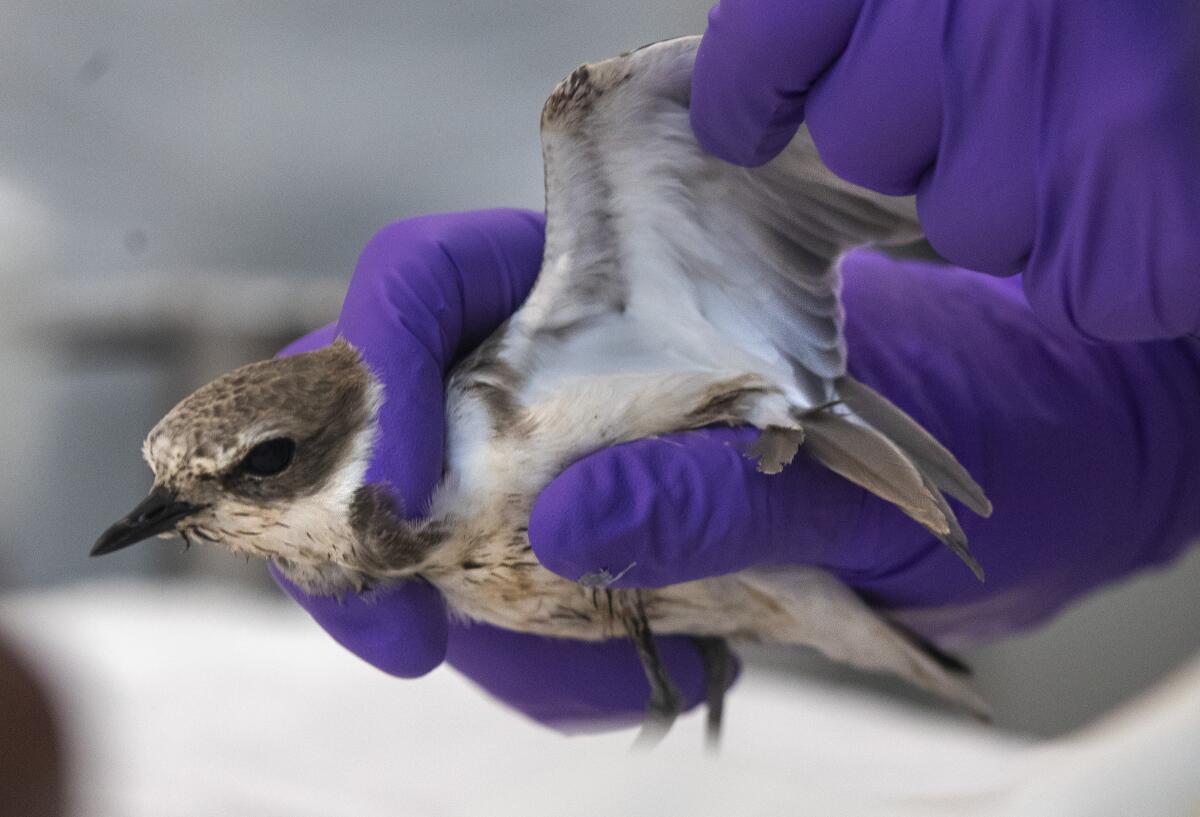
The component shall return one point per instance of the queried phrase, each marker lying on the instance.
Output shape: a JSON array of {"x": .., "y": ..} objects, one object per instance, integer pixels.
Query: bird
[{"x": 676, "y": 292}]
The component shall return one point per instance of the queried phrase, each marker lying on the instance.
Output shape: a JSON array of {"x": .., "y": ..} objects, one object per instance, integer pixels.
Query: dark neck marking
[{"x": 386, "y": 541}]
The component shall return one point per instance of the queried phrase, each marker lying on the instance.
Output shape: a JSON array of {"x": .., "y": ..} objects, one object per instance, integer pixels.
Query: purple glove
[
  {"x": 1088, "y": 453},
  {"x": 425, "y": 291},
  {"x": 1084, "y": 450},
  {"x": 1054, "y": 138}
]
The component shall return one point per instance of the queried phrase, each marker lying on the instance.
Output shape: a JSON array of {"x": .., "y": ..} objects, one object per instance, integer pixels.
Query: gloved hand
[
  {"x": 426, "y": 291},
  {"x": 1055, "y": 138},
  {"x": 1086, "y": 451},
  {"x": 1086, "y": 486}
]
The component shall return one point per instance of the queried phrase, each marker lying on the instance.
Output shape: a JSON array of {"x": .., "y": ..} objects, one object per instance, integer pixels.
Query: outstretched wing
[
  {"x": 640, "y": 218},
  {"x": 662, "y": 259}
]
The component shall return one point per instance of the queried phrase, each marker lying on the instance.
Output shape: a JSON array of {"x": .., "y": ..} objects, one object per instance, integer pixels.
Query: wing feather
[
  {"x": 928, "y": 454},
  {"x": 868, "y": 458},
  {"x": 640, "y": 218},
  {"x": 662, "y": 259}
]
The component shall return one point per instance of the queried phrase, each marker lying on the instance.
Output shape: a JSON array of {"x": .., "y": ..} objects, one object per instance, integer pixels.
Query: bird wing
[
  {"x": 662, "y": 259},
  {"x": 641, "y": 219}
]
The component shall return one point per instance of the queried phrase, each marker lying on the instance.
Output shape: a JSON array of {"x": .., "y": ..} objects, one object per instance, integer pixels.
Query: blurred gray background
[{"x": 185, "y": 186}]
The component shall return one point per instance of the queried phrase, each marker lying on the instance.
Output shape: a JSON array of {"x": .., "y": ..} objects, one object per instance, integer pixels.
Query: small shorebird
[{"x": 676, "y": 291}]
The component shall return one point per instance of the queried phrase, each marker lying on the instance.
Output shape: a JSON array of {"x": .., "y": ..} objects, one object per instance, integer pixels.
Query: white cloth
[{"x": 187, "y": 700}]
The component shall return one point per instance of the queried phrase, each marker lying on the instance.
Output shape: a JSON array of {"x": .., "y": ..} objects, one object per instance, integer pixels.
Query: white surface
[{"x": 186, "y": 700}]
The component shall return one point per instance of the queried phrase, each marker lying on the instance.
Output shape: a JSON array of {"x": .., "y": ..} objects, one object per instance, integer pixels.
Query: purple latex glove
[
  {"x": 1058, "y": 139},
  {"x": 426, "y": 291},
  {"x": 1088, "y": 453}
]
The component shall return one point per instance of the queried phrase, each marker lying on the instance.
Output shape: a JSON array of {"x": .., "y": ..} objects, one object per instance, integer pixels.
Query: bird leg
[
  {"x": 665, "y": 700},
  {"x": 714, "y": 653}
]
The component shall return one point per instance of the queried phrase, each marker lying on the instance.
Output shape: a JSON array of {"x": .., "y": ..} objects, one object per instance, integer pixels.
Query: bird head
[{"x": 264, "y": 460}]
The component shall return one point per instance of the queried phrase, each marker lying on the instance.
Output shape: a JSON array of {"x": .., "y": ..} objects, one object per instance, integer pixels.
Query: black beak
[{"x": 156, "y": 514}]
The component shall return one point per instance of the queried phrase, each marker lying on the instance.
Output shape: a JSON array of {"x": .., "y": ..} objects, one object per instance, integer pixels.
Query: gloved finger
[
  {"x": 876, "y": 114},
  {"x": 687, "y": 506},
  {"x": 571, "y": 685},
  {"x": 977, "y": 204},
  {"x": 402, "y": 630},
  {"x": 756, "y": 61},
  {"x": 425, "y": 291},
  {"x": 1118, "y": 179}
]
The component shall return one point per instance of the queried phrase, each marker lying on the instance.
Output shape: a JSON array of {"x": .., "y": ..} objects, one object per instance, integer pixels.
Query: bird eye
[{"x": 269, "y": 458}]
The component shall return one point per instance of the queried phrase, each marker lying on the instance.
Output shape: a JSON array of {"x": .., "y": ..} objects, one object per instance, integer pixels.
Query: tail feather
[
  {"x": 945, "y": 660},
  {"x": 821, "y": 612}
]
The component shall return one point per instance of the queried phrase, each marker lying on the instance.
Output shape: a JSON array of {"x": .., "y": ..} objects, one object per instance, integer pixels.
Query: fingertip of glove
[
  {"x": 753, "y": 68},
  {"x": 593, "y": 524},
  {"x": 745, "y": 145},
  {"x": 562, "y": 527},
  {"x": 745, "y": 129},
  {"x": 401, "y": 630}
]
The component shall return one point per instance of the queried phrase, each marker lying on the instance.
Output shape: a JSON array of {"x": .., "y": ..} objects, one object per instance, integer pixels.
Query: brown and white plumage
[{"x": 676, "y": 291}]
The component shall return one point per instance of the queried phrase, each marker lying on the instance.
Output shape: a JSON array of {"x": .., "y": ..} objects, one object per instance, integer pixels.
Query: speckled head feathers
[
  {"x": 318, "y": 399},
  {"x": 320, "y": 406}
]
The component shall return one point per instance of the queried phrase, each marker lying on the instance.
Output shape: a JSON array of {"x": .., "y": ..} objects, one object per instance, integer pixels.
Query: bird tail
[{"x": 822, "y": 613}]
